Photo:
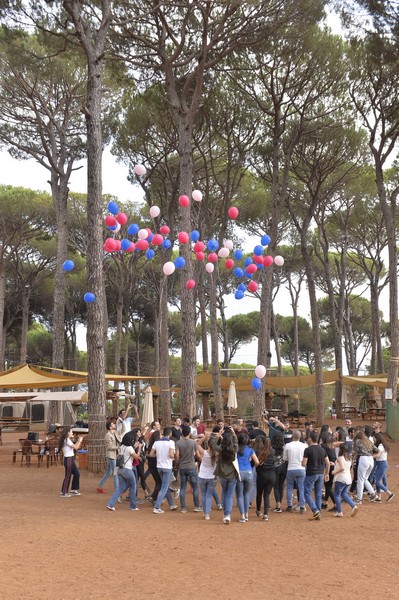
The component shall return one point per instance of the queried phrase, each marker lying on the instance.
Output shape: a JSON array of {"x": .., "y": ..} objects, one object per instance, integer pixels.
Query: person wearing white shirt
[
  {"x": 164, "y": 450},
  {"x": 293, "y": 454}
]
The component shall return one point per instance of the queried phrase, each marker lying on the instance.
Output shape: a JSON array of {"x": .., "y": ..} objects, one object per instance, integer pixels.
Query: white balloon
[
  {"x": 155, "y": 211},
  {"x": 228, "y": 244},
  {"x": 260, "y": 371},
  {"x": 279, "y": 261},
  {"x": 142, "y": 234},
  {"x": 223, "y": 252},
  {"x": 196, "y": 195},
  {"x": 117, "y": 228},
  {"x": 209, "y": 267},
  {"x": 140, "y": 170},
  {"x": 168, "y": 268}
]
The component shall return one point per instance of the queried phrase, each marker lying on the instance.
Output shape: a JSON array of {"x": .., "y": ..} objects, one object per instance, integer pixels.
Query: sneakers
[
  {"x": 288, "y": 509},
  {"x": 354, "y": 511},
  {"x": 376, "y": 499},
  {"x": 337, "y": 514},
  {"x": 357, "y": 501},
  {"x": 220, "y": 506},
  {"x": 65, "y": 495},
  {"x": 149, "y": 499},
  {"x": 390, "y": 497},
  {"x": 242, "y": 519},
  {"x": 333, "y": 509},
  {"x": 75, "y": 493},
  {"x": 372, "y": 497},
  {"x": 119, "y": 500},
  {"x": 226, "y": 520},
  {"x": 277, "y": 510},
  {"x": 176, "y": 493},
  {"x": 184, "y": 510},
  {"x": 174, "y": 507},
  {"x": 302, "y": 510},
  {"x": 100, "y": 490},
  {"x": 207, "y": 517},
  {"x": 139, "y": 501},
  {"x": 246, "y": 516},
  {"x": 110, "y": 507},
  {"x": 315, "y": 516},
  {"x": 258, "y": 513},
  {"x": 158, "y": 511},
  {"x": 265, "y": 518},
  {"x": 197, "y": 509},
  {"x": 137, "y": 508}
]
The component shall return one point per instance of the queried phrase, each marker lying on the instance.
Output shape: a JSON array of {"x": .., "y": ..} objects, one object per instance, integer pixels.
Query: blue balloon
[
  {"x": 194, "y": 235},
  {"x": 260, "y": 266},
  {"x": 150, "y": 253},
  {"x": 113, "y": 208},
  {"x": 112, "y": 227},
  {"x": 258, "y": 250},
  {"x": 133, "y": 229},
  {"x": 125, "y": 244},
  {"x": 179, "y": 262},
  {"x": 239, "y": 295},
  {"x": 249, "y": 275},
  {"x": 212, "y": 245},
  {"x": 242, "y": 287},
  {"x": 238, "y": 254},
  {"x": 89, "y": 297},
  {"x": 68, "y": 265},
  {"x": 265, "y": 240},
  {"x": 149, "y": 239},
  {"x": 166, "y": 244},
  {"x": 238, "y": 272},
  {"x": 248, "y": 261},
  {"x": 256, "y": 383}
]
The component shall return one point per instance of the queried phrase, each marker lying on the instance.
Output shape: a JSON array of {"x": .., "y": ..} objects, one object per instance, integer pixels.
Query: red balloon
[
  {"x": 121, "y": 218},
  {"x": 164, "y": 229},
  {"x": 229, "y": 264},
  {"x": 110, "y": 221},
  {"x": 132, "y": 247},
  {"x": 118, "y": 245},
  {"x": 110, "y": 245},
  {"x": 183, "y": 237},
  {"x": 212, "y": 257},
  {"x": 200, "y": 256},
  {"x": 252, "y": 268},
  {"x": 253, "y": 286},
  {"x": 198, "y": 246},
  {"x": 142, "y": 244},
  {"x": 268, "y": 260},
  {"x": 157, "y": 239},
  {"x": 233, "y": 212},
  {"x": 190, "y": 284},
  {"x": 257, "y": 259},
  {"x": 149, "y": 231},
  {"x": 184, "y": 201}
]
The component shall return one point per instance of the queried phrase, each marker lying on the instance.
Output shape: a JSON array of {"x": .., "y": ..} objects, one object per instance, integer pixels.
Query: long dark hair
[
  {"x": 277, "y": 443},
  {"x": 326, "y": 439},
  {"x": 343, "y": 451},
  {"x": 63, "y": 438},
  {"x": 128, "y": 439},
  {"x": 242, "y": 439},
  {"x": 155, "y": 437},
  {"x": 227, "y": 452},
  {"x": 380, "y": 440},
  {"x": 262, "y": 448}
]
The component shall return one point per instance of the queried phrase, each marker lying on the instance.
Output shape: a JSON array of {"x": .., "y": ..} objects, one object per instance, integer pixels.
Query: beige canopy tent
[{"x": 378, "y": 381}]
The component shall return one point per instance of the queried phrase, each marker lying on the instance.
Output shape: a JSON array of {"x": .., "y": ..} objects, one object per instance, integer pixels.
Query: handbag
[
  {"x": 120, "y": 463},
  {"x": 237, "y": 468}
]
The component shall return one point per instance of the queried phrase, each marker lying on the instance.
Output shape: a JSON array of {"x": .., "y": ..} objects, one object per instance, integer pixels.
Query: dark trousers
[
  {"x": 157, "y": 480},
  {"x": 265, "y": 481},
  {"x": 141, "y": 475},
  {"x": 71, "y": 471},
  {"x": 281, "y": 473},
  {"x": 328, "y": 488}
]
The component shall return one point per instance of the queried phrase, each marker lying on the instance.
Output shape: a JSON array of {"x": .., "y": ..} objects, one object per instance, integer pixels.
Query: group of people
[{"x": 319, "y": 466}]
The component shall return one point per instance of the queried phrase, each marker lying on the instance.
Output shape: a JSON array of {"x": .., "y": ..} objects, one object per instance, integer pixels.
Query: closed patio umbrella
[
  {"x": 232, "y": 397},
  {"x": 148, "y": 409}
]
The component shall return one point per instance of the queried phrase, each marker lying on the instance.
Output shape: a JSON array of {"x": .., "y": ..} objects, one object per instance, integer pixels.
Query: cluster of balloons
[
  {"x": 69, "y": 265},
  {"x": 260, "y": 372}
]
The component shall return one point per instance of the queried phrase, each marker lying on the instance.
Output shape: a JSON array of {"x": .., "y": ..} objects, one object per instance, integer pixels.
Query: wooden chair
[{"x": 26, "y": 451}]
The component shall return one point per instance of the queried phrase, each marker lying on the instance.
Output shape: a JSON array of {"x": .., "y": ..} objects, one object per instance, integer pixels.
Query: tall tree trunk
[
  {"x": 217, "y": 392},
  {"x": 203, "y": 319},
  {"x": 2, "y": 301},
  {"x": 164, "y": 354},
  {"x": 24, "y": 326},
  {"x": 118, "y": 334}
]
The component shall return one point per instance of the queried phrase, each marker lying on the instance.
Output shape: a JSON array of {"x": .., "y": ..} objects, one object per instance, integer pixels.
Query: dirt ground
[{"x": 62, "y": 548}]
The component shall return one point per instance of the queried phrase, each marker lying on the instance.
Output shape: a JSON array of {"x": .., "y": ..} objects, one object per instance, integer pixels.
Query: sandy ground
[{"x": 62, "y": 548}]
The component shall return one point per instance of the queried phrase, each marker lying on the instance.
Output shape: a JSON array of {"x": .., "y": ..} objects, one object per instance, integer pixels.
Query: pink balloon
[
  {"x": 157, "y": 239},
  {"x": 118, "y": 245},
  {"x": 209, "y": 267},
  {"x": 223, "y": 252},
  {"x": 184, "y": 201},
  {"x": 279, "y": 261},
  {"x": 228, "y": 244},
  {"x": 229, "y": 264},
  {"x": 196, "y": 195},
  {"x": 183, "y": 237},
  {"x": 268, "y": 260},
  {"x": 190, "y": 284},
  {"x": 253, "y": 286},
  {"x": 168, "y": 268},
  {"x": 121, "y": 218},
  {"x": 140, "y": 170},
  {"x": 164, "y": 229},
  {"x": 142, "y": 244},
  {"x": 142, "y": 234},
  {"x": 233, "y": 212},
  {"x": 212, "y": 257},
  {"x": 199, "y": 255},
  {"x": 257, "y": 259},
  {"x": 252, "y": 268},
  {"x": 154, "y": 211},
  {"x": 110, "y": 245},
  {"x": 148, "y": 231},
  {"x": 198, "y": 246},
  {"x": 260, "y": 370},
  {"x": 110, "y": 221}
]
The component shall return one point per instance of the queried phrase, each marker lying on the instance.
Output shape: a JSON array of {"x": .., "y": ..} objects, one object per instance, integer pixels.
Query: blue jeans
[
  {"x": 111, "y": 462},
  {"x": 191, "y": 476},
  {"x": 127, "y": 480},
  {"x": 380, "y": 469},
  {"x": 215, "y": 494},
  {"x": 228, "y": 487},
  {"x": 253, "y": 490},
  {"x": 298, "y": 476},
  {"x": 316, "y": 482},
  {"x": 341, "y": 490},
  {"x": 164, "y": 492},
  {"x": 207, "y": 488},
  {"x": 243, "y": 490}
]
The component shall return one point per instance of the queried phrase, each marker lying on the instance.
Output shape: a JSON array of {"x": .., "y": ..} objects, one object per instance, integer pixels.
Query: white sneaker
[
  {"x": 226, "y": 520},
  {"x": 174, "y": 507},
  {"x": 197, "y": 509},
  {"x": 158, "y": 511}
]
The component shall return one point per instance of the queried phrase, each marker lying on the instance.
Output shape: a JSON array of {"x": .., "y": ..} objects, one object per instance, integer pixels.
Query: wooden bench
[{"x": 20, "y": 423}]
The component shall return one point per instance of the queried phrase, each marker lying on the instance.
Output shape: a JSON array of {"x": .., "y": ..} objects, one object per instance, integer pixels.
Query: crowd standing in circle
[{"x": 320, "y": 467}]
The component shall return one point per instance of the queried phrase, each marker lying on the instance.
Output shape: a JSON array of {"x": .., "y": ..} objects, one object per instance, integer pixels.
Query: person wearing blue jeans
[
  {"x": 127, "y": 481},
  {"x": 207, "y": 488},
  {"x": 381, "y": 468},
  {"x": 317, "y": 465},
  {"x": 186, "y": 452},
  {"x": 228, "y": 489},
  {"x": 245, "y": 455},
  {"x": 225, "y": 446},
  {"x": 293, "y": 456},
  {"x": 296, "y": 476},
  {"x": 342, "y": 481},
  {"x": 164, "y": 450},
  {"x": 111, "y": 450},
  {"x": 191, "y": 476}
]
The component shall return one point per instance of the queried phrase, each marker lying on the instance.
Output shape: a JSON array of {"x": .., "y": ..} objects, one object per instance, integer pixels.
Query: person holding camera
[
  {"x": 225, "y": 445},
  {"x": 68, "y": 448}
]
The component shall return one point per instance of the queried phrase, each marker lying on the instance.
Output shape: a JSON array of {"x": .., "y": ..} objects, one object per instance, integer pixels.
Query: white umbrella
[
  {"x": 344, "y": 396},
  {"x": 148, "y": 409},
  {"x": 232, "y": 397}
]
